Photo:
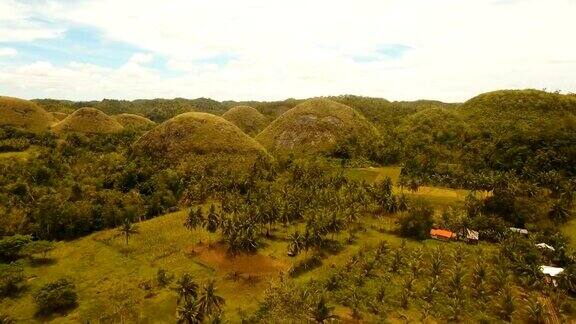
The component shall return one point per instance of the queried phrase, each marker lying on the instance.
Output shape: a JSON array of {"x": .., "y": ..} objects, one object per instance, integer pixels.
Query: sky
[{"x": 448, "y": 50}]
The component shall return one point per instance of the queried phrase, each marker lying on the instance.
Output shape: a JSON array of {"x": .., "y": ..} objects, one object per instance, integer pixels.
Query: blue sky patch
[
  {"x": 383, "y": 52},
  {"x": 78, "y": 44},
  {"x": 218, "y": 59}
]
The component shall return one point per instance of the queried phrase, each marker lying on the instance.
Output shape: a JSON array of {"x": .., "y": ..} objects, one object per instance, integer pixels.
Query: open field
[
  {"x": 569, "y": 229},
  {"x": 110, "y": 275},
  {"x": 436, "y": 195},
  {"x": 26, "y": 154}
]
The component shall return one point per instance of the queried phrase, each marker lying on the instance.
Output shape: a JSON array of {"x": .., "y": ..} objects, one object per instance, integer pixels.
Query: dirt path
[{"x": 552, "y": 315}]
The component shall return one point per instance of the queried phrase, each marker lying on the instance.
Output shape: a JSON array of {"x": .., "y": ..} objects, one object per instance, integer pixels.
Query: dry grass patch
[
  {"x": 24, "y": 114},
  {"x": 248, "y": 119},
  {"x": 88, "y": 121},
  {"x": 316, "y": 125}
]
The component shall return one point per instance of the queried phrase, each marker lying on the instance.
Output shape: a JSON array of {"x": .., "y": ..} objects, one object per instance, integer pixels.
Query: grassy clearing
[
  {"x": 440, "y": 197},
  {"x": 372, "y": 175},
  {"x": 23, "y": 155},
  {"x": 569, "y": 229},
  {"x": 108, "y": 273}
]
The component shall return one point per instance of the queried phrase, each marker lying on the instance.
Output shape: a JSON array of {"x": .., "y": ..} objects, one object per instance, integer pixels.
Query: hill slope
[
  {"x": 24, "y": 114},
  {"x": 88, "y": 121},
  {"x": 248, "y": 119},
  {"x": 196, "y": 134},
  {"x": 316, "y": 125},
  {"x": 133, "y": 122},
  {"x": 519, "y": 112},
  {"x": 58, "y": 116}
]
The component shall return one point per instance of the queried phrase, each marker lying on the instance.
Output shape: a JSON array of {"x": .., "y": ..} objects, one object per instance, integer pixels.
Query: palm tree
[
  {"x": 186, "y": 289},
  {"x": 208, "y": 301},
  {"x": 212, "y": 220},
  {"x": 456, "y": 281},
  {"x": 479, "y": 274},
  {"x": 295, "y": 244},
  {"x": 535, "y": 310},
  {"x": 322, "y": 312},
  {"x": 506, "y": 303},
  {"x": 194, "y": 219},
  {"x": 188, "y": 313},
  {"x": 560, "y": 212},
  {"x": 127, "y": 229}
]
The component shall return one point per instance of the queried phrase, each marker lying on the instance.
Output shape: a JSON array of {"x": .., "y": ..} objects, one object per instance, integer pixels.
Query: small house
[
  {"x": 522, "y": 231},
  {"x": 442, "y": 234},
  {"x": 545, "y": 246},
  {"x": 469, "y": 236},
  {"x": 551, "y": 273}
]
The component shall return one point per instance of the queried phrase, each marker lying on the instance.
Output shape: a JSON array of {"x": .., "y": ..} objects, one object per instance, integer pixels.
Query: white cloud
[
  {"x": 7, "y": 52},
  {"x": 306, "y": 48},
  {"x": 19, "y": 22}
]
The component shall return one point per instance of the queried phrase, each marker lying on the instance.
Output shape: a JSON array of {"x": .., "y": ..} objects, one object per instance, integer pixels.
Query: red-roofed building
[{"x": 441, "y": 234}]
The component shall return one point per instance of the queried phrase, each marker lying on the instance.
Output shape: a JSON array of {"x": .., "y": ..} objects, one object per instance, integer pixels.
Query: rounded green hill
[
  {"x": 525, "y": 111},
  {"x": 24, "y": 114},
  {"x": 248, "y": 119},
  {"x": 133, "y": 122},
  {"x": 316, "y": 125},
  {"x": 88, "y": 121},
  {"x": 188, "y": 136}
]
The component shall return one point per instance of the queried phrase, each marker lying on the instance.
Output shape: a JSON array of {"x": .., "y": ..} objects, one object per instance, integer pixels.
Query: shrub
[
  {"x": 11, "y": 247},
  {"x": 56, "y": 296},
  {"x": 11, "y": 278},
  {"x": 418, "y": 221},
  {"x": 163, "y": 278},
  {"x": 38, "y": 247}
]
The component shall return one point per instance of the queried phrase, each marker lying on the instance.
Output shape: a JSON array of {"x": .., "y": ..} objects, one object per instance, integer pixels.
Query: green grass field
[
  {"x": 569, "y": 229},
  {"x": 439, "y": 197},
  {"x": 26, "y": 154}
]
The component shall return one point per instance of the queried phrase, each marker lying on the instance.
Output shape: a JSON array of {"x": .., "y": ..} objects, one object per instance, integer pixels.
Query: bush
[
  {"x": 56, "y": 296},
  {"x": 11, "y": 247},
  {"x": 11, "y": 278},
  {"x": 38, "y": 247},
  {"x": 418, "y": 222}
]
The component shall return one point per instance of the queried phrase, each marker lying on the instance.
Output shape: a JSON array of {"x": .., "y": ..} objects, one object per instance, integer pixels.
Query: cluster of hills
[{"x": 178, "y": 127}]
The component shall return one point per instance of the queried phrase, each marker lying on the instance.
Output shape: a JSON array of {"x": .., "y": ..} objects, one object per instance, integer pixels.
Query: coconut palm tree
[
  {"x": 194, "y": 218},
  {"x": 127, "y": 229},
  {"x": 535, "y": 310},
  {"x": 506, "y": 303},
  {"x": 186, "y": 288},
  {"x": 212, "y": 221},
  {"x": 188, "y": 313},
  {"x": 321, "y": 312},
  {"x": 295, "y": 244},
  {"x": 208, "y": 302},
  {"x": 559, "y": 212}
]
